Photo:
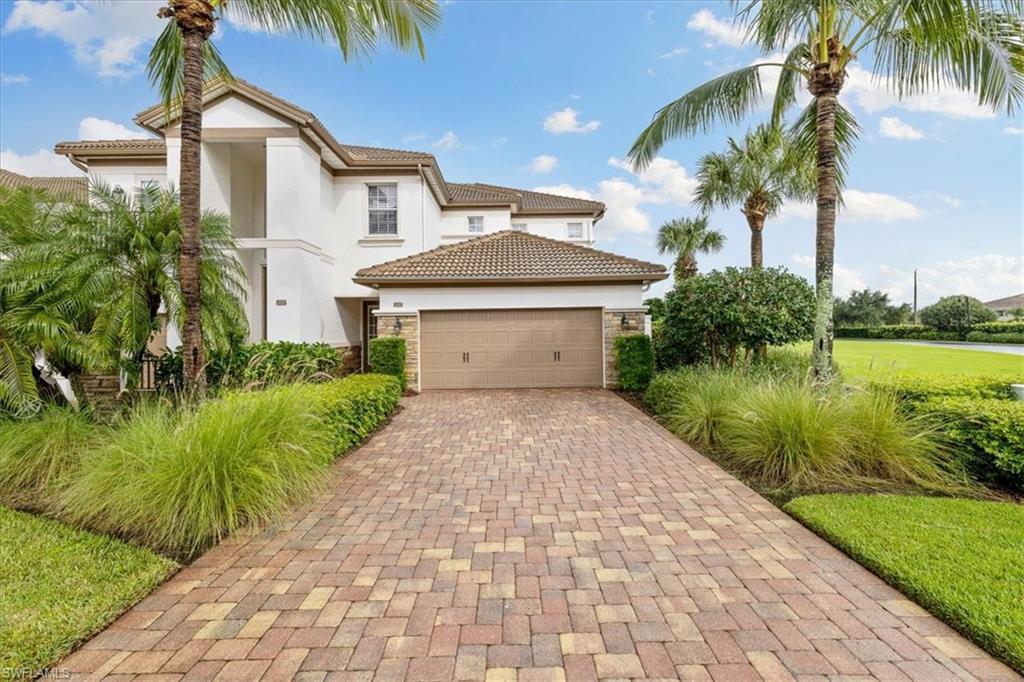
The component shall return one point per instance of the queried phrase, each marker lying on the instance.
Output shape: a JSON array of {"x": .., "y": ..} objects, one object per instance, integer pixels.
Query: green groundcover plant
[
  {"x": 62, "y": 585},
  {"x": 961, "y": 559}
]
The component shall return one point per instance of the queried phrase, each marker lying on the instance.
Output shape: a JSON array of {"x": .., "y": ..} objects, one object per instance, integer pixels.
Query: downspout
[{"x": 423, "y": 208}]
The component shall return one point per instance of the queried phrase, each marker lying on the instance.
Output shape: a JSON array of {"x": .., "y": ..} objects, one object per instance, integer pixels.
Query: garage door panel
[{"x": 511, "y": 348}]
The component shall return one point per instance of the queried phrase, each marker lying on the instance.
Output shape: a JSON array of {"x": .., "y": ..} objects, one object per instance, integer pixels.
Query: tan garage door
[{"x": 511, "y": 348}]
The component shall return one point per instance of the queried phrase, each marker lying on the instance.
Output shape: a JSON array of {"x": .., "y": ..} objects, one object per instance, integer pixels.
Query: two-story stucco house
[{"x": 491, "y": 286}]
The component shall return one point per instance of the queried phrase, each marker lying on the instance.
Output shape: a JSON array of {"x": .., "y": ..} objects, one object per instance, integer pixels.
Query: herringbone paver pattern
[{"x": 530, "y": 535}]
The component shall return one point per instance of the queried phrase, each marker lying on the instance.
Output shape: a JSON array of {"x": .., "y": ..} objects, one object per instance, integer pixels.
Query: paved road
[{"x": 530, "y": 535}]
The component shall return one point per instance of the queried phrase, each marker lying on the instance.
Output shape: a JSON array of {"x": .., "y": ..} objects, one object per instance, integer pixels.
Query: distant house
[
  {"x": 1004, "y": 306},
  {"x": 76, "y": 187}
]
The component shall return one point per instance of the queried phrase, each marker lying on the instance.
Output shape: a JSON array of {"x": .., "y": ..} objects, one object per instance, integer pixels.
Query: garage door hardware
[
  {"x": 465, "y": 357},
  {"x": 558, "y": 356}
]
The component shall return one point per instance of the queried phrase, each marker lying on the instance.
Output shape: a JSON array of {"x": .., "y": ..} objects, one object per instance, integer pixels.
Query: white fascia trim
[{"x": 300, "y": 244}]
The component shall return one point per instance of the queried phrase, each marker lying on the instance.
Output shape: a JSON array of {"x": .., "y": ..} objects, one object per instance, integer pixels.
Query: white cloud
[
  {"x": 92, "y": 128},
  {"x": 986, "y": 277},
  {"x": 952, "y": 202},
  {"x": 103, "y": 37},
  {"x": 448, "y": 141},
  {"x": 718, "y": 31},
  {"x": 567, "y": 121},
  {"x": 13, "y": 79},
  {"x": 861, "y": 206},
  {"x": 875, "y": 95},
  {"x": 544, "y": 163},
  {"x": 664, "y": 182},
  {"x": 43, "y": 162},
  {"x": 892, "y": 126},
  {"x": 1013, "y": 130},
  {"x": 675, "y": 52},
  {"x": 413, "y": 137}
]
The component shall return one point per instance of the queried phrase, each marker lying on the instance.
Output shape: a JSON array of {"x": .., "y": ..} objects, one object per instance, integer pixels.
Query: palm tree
[
  {"x": 85, "y": 285},
  {"x": 759, "y": 173},
  {"x": 685, "y": 238},
  {"x": 183, "y": 56},
  {"x": 974, "y": 45}
]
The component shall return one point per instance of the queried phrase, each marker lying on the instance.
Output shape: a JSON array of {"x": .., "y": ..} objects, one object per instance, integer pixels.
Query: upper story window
[
  {"x": 574, "y": 230},
  {"x": 476, "y": 223},
  {"x": 383, "y": 203},
  {"x": 519, "y": 227}
]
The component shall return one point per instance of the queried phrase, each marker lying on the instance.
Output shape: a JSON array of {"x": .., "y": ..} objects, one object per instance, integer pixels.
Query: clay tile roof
[
  {"x": 526, "y": 199},
  {"x": 76, "y": 187},
  {"x": 99, "y": 145},
  {"x": 382, "y": 154},
  {"x": 509, "y": 256}
]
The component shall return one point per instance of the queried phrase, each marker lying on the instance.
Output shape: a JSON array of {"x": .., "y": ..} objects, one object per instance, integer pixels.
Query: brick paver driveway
[{"x": 538, "y": 534}]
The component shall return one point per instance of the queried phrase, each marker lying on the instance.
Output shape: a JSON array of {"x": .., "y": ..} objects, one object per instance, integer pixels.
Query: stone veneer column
[
  {"x": 613, "y": 329},
  {"x": 410, "y": 331}
]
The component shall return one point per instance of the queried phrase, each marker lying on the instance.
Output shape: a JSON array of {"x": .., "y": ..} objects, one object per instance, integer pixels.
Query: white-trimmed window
[
  {"x": 574, "y": 230},
  {"x": 519, "y": 227},
  {"x": 476, "y": 224},
  {"x": 383, "y": 205}
]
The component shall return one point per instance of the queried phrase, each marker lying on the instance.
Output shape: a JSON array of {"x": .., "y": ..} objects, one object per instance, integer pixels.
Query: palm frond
[
  {"x": 803, "y": 133},
  {"x": 165, "y": 67}
]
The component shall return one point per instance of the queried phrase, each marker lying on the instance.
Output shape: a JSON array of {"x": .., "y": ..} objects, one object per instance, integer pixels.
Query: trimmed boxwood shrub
[
  {"x": 915, "y": 389},
  {"x": 387, "y": 356},
  {"x": 354, "y": 406},
  {"x": 999, "y": 327},
  {"x": 1002, "y": 337},
  {"x": 634, "y": 358},
  {"x": 988, "y": 433}
]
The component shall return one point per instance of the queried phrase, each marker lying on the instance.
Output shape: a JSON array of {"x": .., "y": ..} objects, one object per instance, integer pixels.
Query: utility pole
[{"x": 915, "y": 297}]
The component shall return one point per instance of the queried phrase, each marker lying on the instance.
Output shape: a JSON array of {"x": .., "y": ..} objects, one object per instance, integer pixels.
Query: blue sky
[{"x": 551, "y": 95}]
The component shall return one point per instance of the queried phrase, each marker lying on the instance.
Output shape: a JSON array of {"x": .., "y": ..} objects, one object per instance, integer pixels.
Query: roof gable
[{"x": 510, "y": 256}]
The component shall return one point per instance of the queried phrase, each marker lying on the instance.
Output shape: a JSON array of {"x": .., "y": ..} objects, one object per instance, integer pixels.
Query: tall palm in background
[
  {"x": 685, "y": 238},
  {"x": 914, "y": 46},
  {"x": 759, "y": 174},
  {"x": 183, "y": 57}
]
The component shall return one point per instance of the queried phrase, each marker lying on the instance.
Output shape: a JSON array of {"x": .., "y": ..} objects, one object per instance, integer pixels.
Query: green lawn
[
  {"x": 862, "y": 359},
  {"x": 961, "y": 559},
  {"x": 61, "y": 585}
]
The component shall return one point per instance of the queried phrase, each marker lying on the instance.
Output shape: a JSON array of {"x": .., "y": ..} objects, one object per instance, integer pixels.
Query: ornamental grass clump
[
  {"x": 787, "y": 435},
  {"x": 180, "y": 482},
  {"x": 707, "y": 398},
  {"x": 38, "y": 455}
]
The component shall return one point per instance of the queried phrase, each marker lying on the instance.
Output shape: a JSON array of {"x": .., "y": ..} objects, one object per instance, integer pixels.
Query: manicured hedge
[
  {"x": 1002, "y": 337},
  {"x": 387, "y": 356},
  {"x": 983, "y": 332},
  {"x": 915, "y": 389},
  {"x": 634, "y": 358},
  {"x": 355, "y": 406},
  {"x": 988, "y": 433}
]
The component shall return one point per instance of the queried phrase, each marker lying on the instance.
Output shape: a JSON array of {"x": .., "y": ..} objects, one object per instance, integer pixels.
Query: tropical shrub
[
  {"x": 725, "y": 312},
  {"x": 956, "y": 313},
  {"x": 634, "y": 359},
  {"x": 98, "y": 272},
  {"x": 387, "y": 356},
  {"x": 354, "y": 406},
  {"x": 179, "y": 482},
  {"x": 258, "y": 364},
  {"x": 1016, "y": 327},
  {"x": 695, "y": 402},
  {"x": 987, "y": 433},
  {"x": 39, "y": 455}
]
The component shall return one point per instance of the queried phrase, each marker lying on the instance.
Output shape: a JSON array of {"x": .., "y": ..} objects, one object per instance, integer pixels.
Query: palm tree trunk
[
  {"x": 191, "y": 148},
  {"x": 825, "y": 242},
  {"x": 756, "y": 224},
  {"x": 686, "y": 267}
]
